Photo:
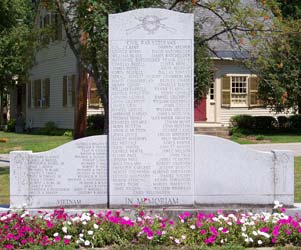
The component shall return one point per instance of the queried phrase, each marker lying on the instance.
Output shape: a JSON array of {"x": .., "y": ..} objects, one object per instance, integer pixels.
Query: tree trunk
[
  {"x": 299, "y": 105},
  {"x": 1, "y": 106},
  {"x": 80, "y": 110}
]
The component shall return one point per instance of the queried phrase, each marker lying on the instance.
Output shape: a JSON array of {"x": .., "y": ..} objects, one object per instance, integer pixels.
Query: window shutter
[
  {"x": 53, "y": 25},
  {"x": 253, "y": 92},
  {"x": 59, "y": 27},
  {"x": 47, "y": 92},
  {"x": 29, "y": 94},
  {"x": 64, "y": 91},
  {"x": 46, "y": 24},
  {"x": 73, "y": 90},
  {"x": 226, "y": 91},
  {"x": 37, "y": 93}
]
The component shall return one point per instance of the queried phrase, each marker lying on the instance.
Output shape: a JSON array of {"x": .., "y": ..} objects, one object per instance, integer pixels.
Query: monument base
[{"x": 171, "y": 212}]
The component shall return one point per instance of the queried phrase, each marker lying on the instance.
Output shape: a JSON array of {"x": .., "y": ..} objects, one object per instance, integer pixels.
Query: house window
[
  {"x": 93, "y": 97},
  {"x": 41, "y": 93},
  {"x": 52, "y": 24},
  {"x": 240, "y": 91},
  {"x": 69, "y": 91}
]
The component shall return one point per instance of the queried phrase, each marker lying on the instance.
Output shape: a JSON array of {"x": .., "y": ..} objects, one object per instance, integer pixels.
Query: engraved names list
[{"x": 151, "y": 104}]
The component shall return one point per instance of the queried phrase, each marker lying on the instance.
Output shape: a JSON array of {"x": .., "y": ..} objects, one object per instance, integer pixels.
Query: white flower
[
  {"x": 81, "y": 235},
  {"x": 3, "y": 218},
  {"x": 177, "y": 241},
  {"x": 222, "y": 241},
  {"x": 68, "y": 237},
  {"x": 75, "y": 219},
  {"x": 163, "y": 232},
  {"x": 183, "y": 237},
  {"x": 95, "y": 226},
  {"x": 255, "y": 233},
  {"x": 64, "y": 229},
  {"x": 192, "y": 227},
  {"x": 244, "y": 235},
  {"x": 87, "y": 243},
  {"x": 229, "y": 223},
  {"x": 55, "y": 234},
  {"x": 69, "y": 222},
  {"x": 90, "y": 232},
  {"x": 243, "y": 228},
  {"x": 182, "y": 221},
  {"x": 24, "y": 214},
  {"x": 251, "y": 240},
  {"x": 126, "y": 218},
  {"x": 259, "y": 242},
  {"x": 84, "y": 223}
]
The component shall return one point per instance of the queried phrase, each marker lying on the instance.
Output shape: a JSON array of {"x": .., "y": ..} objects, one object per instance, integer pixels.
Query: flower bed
[{"x": 89, "y": 229}]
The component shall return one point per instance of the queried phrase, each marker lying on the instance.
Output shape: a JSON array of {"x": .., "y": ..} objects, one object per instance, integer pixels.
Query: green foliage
[
  {"x": 282, "y": 122},
  {"x": 294, "y": 122},
  {"x": 50, "y": 128},
  {"x": 262, "y": 123},
  {"x": 11, "y": 125},
  {"x": 95, "y": 124},
  {"x": 242, "y": 122}
]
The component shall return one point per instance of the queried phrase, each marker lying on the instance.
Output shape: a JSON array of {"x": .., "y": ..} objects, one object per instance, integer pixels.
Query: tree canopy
[
  {"x": 278, "y": 61},
  {"x": 86, "y": 25}
]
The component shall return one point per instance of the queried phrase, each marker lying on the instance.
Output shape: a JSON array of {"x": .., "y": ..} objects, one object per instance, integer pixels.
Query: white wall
[{"x": 53, "y": 62}]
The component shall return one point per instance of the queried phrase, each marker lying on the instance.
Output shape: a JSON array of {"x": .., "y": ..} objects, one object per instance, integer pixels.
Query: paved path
[
  {"x": 4, "y": 160},
  {"x": 295, "y": 147}
]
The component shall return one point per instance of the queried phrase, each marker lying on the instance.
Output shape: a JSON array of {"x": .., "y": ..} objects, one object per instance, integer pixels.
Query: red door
[{"x": 200, "y": 111}]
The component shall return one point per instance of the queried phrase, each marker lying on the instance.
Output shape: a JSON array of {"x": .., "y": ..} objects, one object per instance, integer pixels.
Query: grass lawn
[
  {"x": 4, "y": 183},
  {"x": 36, "y": 143},
  {"x": 252, "y": 139}
]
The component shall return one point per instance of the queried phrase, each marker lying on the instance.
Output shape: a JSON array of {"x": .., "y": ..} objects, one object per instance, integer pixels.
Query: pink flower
[
  {"x": 273, "y": 240},
  {"x": 49, "y": 224},
  {"x": 9, "y": 246},
  {"x": 23, "y": 241},
  {"x": 213, "y": 231},
  {"x": 57, "y": 238},
  {"x": 66, "y": 241},
  {"x": 276, "y": 231},
  {"x": 264, "y": 229},
  {"x": 225, "y": 230},
  {"x": 288, "y": 232},
  {"x": 203, "y": 231},
  {"x": 210, "y": 240}
]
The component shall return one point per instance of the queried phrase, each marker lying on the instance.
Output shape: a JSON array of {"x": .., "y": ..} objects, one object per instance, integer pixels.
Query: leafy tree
[
  {"x": 15, "y": 42},
  {"x": 86, "y": 25},
  {"x": 278, "y": 61}
]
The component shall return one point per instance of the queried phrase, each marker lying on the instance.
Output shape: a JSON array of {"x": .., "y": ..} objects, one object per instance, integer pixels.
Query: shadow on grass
[{"x": 4, "y": 170}]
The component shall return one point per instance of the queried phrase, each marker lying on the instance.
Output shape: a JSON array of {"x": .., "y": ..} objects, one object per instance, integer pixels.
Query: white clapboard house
[{"x": 50, "y": 92}]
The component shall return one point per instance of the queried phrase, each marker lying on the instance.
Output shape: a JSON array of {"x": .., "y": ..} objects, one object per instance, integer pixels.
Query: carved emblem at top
[{"x": 151, "y": 24}]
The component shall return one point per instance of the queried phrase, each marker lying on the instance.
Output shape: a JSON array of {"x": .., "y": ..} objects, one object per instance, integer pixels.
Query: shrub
[
  {"x": 294, "y": 122},
  {"x": 95, "y": 124},
  {"x": 282, "y": 122},
  {"x": 245, "y": 122},
  {"x": 11, "y": 125},
  {"x": 264, "y": 123},
  {"x": 260, "y": 137},
  {"x": 50, "y": 128}
]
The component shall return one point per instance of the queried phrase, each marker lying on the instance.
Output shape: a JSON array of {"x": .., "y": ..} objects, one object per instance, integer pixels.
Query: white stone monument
[
  {"x": 74, "y": 174},
  {"x": 152, "y": 151},
  {"x": 151, "y": 107}
]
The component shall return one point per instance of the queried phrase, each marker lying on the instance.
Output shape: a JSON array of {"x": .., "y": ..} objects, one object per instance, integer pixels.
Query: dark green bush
[
  {"x": 282, "y": 122},
  {"x": 294, "y": 122},
  {"x": 265, "y": 123},
  {"x": 95, "y": 124},
  {"x": 245, "y": 122},
  {"x": 11, "y": 125},
  {"x": 50, "y": 128}
]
